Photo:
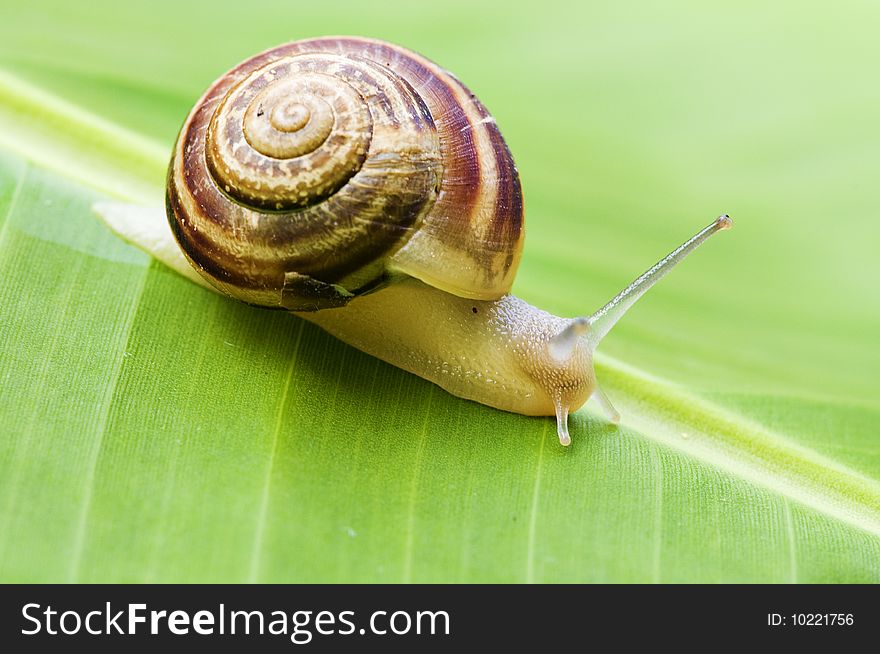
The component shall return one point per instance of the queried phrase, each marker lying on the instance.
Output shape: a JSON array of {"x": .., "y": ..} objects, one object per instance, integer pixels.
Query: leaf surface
[{"x": 152, "y": 431}]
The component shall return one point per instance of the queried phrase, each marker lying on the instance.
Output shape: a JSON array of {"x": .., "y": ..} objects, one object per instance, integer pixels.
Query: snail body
[
  {"x": 492, "y": 351},
  {"x": 366, "y": 189}
]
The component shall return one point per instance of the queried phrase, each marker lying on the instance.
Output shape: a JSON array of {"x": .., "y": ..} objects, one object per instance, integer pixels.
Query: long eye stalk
[
  {"x": 605, "y": 318},
  {"x": 594, "y": 328}
]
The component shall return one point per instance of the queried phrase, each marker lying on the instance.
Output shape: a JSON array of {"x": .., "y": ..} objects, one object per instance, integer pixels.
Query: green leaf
[{"x": 152, "y": 431}]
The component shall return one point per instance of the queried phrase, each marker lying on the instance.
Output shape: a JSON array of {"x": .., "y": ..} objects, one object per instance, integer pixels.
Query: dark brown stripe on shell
[{"x": 509, "y": 203}]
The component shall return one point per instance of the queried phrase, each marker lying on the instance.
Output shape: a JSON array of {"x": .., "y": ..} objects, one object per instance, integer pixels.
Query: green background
[{"x": 151, "y": 431}]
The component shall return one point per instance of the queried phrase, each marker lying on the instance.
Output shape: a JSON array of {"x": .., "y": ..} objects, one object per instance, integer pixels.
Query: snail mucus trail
[{"x": 363, "y": 187}]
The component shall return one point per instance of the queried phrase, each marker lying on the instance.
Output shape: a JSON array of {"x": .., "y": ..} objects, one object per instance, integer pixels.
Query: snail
[{"x": 366, "y": 189}]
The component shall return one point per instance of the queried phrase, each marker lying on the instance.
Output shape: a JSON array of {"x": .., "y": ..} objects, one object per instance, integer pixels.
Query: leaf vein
[
  {"x": 533, "y": 511},
  {"x": 103, "y": 420},
  {"x": 413, "y": 495},
  {"x": 260, "y": 527}
]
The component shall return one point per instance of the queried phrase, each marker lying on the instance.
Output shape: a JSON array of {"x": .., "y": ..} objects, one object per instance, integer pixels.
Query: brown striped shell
[{"x": 320, "y": 169}]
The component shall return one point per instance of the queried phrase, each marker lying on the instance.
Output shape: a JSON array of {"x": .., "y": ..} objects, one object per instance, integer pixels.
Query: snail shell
[{"x": 318, "y": 170}]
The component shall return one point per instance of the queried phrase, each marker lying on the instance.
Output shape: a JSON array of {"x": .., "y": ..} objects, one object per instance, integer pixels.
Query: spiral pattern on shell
[
  {"x": 290, "y": 135},
  {"x": 316, "y": 171}
]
